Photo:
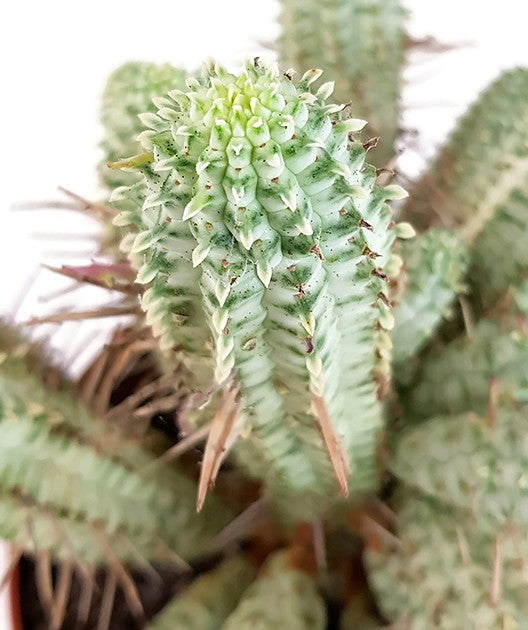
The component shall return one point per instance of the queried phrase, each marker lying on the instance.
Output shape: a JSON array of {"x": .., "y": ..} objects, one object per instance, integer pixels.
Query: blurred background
[{"x": 58, "y": 54}]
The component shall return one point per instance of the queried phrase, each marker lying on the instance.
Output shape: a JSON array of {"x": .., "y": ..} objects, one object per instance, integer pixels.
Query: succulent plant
[
  {"x": 283, "y": 595},
  {"x": 494, "y": 357},
  {"x": 445, "y": 576},
  {"x": 477, "y": 186},
  {"x": 129, "y": 92},
  {"x": 360, "y": 45},
  {"x": 210, "y": 599},
  {"x": 266, "y": 262},
  {"x": 460, "y": 514},
  {"x": 70, "y": 485},
  {"x": 434, "y": 265},
  {"x": 267, "y": 246},
  {"x": 486, "y": 471},
  {"x": 461, "y": 525}
]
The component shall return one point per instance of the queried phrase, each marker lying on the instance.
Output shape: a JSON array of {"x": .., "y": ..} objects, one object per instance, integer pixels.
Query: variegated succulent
[
  {"x": 283, "y": 594},
  {"x": 210, "y": 599},
  {"x": 494, "y": 357},
  {"x": 435, "y": 263},
  {"x": 266, "y": 243},
  {"x": 477, "y": 186},
  {"x": 71, "y": 485},
  {"x": 129, "y": 92},
  {"x": 360, "y": 45},
  {"x": 461, "y": 523},
  {"x": 265, "y": 260}
]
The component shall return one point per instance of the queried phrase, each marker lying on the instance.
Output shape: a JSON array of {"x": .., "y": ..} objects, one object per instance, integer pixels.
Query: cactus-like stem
[
  {"x": 265, "y": 232},
  {"x": 435, "y": 263},
  {"x": 209, "y": 600},
  {"x": 33, "y": 526},
  {"x": 129, "y": 92},
  {"x": 467, "y": 461},
  {"x": 360, "y": 45},
  {"x": 61, "y": 468},
  {"x": 443, "y": 574},
  {"x": 459, "y": 378},
  {"x": 461, "y": 523},
  {"x": 477, "y": 185},
  {"x": 282, "y": 596}
]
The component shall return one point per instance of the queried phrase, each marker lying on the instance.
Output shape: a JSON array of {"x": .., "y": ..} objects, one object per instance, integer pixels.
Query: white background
[{"x": 56, "y": 54}]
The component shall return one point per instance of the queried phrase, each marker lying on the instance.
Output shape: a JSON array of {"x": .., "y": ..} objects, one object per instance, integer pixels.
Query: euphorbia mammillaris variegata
[{"x": 267, "y": 246}]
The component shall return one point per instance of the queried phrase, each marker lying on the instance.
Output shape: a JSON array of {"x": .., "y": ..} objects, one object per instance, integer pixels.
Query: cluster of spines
[
  {"x": 360, "y": 45},
  {"x": 265, "y": 180},
  {"x": 93, "y": 484}
]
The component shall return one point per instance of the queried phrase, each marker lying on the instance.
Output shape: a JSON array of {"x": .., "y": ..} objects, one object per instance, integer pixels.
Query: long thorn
[
  {"x": 493, "y": 402},
  {"x": 43, "y": 580},
  {"x": 333, "y": 445},
  {"x": 124, "y": 579},
  {"x": 221, "y": 435},
  {"x": 242, "y": 525},
  {"x": 89, "y": 205},
  {"x": 107, "y": 603},
  {"x": 85, "y": 601},
  {"x": 495, "y": 589},
  {"x": 463, "y": 545},
  {"x": 108, "y": 283},
  {"x": 64, "y": 581},
  {"x": 116, "y": 372},
  {"x": 467, "y": 316},
  {"x": 58, "y": 318},
  {"x": 184, "y": 445}
]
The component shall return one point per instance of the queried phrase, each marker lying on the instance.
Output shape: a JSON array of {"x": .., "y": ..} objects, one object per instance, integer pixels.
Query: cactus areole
[{"x": 266, "y": 244}]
